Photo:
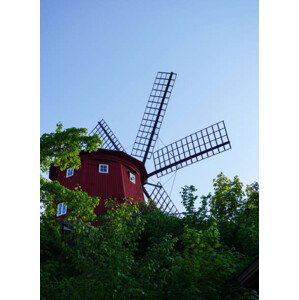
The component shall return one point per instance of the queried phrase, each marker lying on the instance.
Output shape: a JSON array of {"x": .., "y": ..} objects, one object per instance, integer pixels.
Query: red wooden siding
[
  {"x": 132, "y": 190},
  {"x": 115, "y": 184}
]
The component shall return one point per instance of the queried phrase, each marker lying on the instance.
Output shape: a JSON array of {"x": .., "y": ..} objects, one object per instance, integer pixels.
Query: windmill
[{"x": 195, "y": 147}]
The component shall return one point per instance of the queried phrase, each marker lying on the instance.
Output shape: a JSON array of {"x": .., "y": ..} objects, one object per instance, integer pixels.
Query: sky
[{"x": 99, "y": 60}]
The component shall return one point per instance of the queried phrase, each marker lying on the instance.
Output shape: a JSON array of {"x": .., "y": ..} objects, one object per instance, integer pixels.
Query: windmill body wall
[{"x": 115, "y": 184}]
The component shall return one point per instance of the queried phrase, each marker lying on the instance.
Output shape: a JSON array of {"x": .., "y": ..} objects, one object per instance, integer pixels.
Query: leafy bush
[{"x": 138, "y": 252}]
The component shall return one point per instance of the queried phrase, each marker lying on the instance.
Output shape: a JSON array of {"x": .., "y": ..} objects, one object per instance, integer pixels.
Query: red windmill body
[
  {"x": 105, "y": 174},
  {"x": 112, "y": 173}
]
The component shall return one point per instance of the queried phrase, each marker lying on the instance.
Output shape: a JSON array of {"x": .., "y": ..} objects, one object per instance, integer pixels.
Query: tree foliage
[
  {"x": 138, "y": 252},
  {"x": 62, "y": 147}
]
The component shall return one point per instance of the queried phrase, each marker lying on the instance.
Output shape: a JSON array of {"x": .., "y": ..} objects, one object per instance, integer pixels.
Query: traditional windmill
[{"x": 111, "y": 172}]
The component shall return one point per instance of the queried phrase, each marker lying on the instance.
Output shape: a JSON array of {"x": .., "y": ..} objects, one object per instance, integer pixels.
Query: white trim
[
  {"x": 132, "y": 177},
  {"x": 106, "y": 166},
  {"x": 61, "y": 209},
  {"x": 69, "y": 172}
]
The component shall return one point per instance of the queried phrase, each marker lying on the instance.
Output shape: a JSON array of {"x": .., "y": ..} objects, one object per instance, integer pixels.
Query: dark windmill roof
[
  {"x": 113, "y": 153},
  {"x": 123, "y": 155}
]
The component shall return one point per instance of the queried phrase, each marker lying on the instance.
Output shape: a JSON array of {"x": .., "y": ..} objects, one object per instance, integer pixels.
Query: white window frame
[
  {"x": 61, "y": 209},
  {"x": 69, "y": 172},
  {"x": 106, "y": 165},
  {"x": 132, "y": 177}
]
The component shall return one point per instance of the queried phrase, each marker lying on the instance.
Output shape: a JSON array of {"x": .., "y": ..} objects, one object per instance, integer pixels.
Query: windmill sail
[
  {"x": 107, "y": 136},
  {"x": 188, "y": 150},
  {"x": 153, "y": 115},
  {"x": 162, "y": 199}
]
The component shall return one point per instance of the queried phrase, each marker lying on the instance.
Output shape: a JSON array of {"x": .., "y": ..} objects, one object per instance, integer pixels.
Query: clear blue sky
[{"x": 99, "y": 60}]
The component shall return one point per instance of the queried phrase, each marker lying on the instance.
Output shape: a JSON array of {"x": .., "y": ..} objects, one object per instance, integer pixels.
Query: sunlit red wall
[{"x": 115, "y": 184}]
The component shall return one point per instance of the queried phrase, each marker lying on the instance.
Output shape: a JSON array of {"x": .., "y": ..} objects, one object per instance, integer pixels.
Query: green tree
[
  {"x": 62, "y": 147},
  {"x": 138, "y": 252}
]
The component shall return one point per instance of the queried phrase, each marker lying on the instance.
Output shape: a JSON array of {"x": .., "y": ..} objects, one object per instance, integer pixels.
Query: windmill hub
[{"x": 112, "y": 173}]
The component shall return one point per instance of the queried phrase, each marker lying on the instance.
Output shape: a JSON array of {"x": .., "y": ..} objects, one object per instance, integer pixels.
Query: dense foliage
[
  {"x": 62, "y": 147},
  {"x": 140, "y": 253}
]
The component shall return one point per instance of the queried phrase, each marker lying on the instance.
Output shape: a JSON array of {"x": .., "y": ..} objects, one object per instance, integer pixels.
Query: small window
[
  {"x": 61, "y": 209},
  {"x": 103, "y": 168},
  {"x": 132, "y": 178},
  {"x": 69, "y": 172}
]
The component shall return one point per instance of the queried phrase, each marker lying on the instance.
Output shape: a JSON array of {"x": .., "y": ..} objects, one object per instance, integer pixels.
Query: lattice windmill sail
[
  {"x": 188, "y": 150},
  {"x": 153, "y": 115},
  {"x": 195, "y": 147},
  {"x": 163, "y": 200},
  {"x": 107, "y": 136}
]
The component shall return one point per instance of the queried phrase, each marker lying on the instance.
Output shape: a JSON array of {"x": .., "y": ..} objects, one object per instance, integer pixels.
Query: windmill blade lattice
[
  {"x": 162, "y": 200},
  {"x": 107, "y": 136},
  {"x": 153, "y": 115},
  {"x": 188, "y": 150}
]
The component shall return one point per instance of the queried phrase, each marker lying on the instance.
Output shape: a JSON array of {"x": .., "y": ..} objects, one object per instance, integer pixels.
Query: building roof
[{"x": 116, "y": 154}]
